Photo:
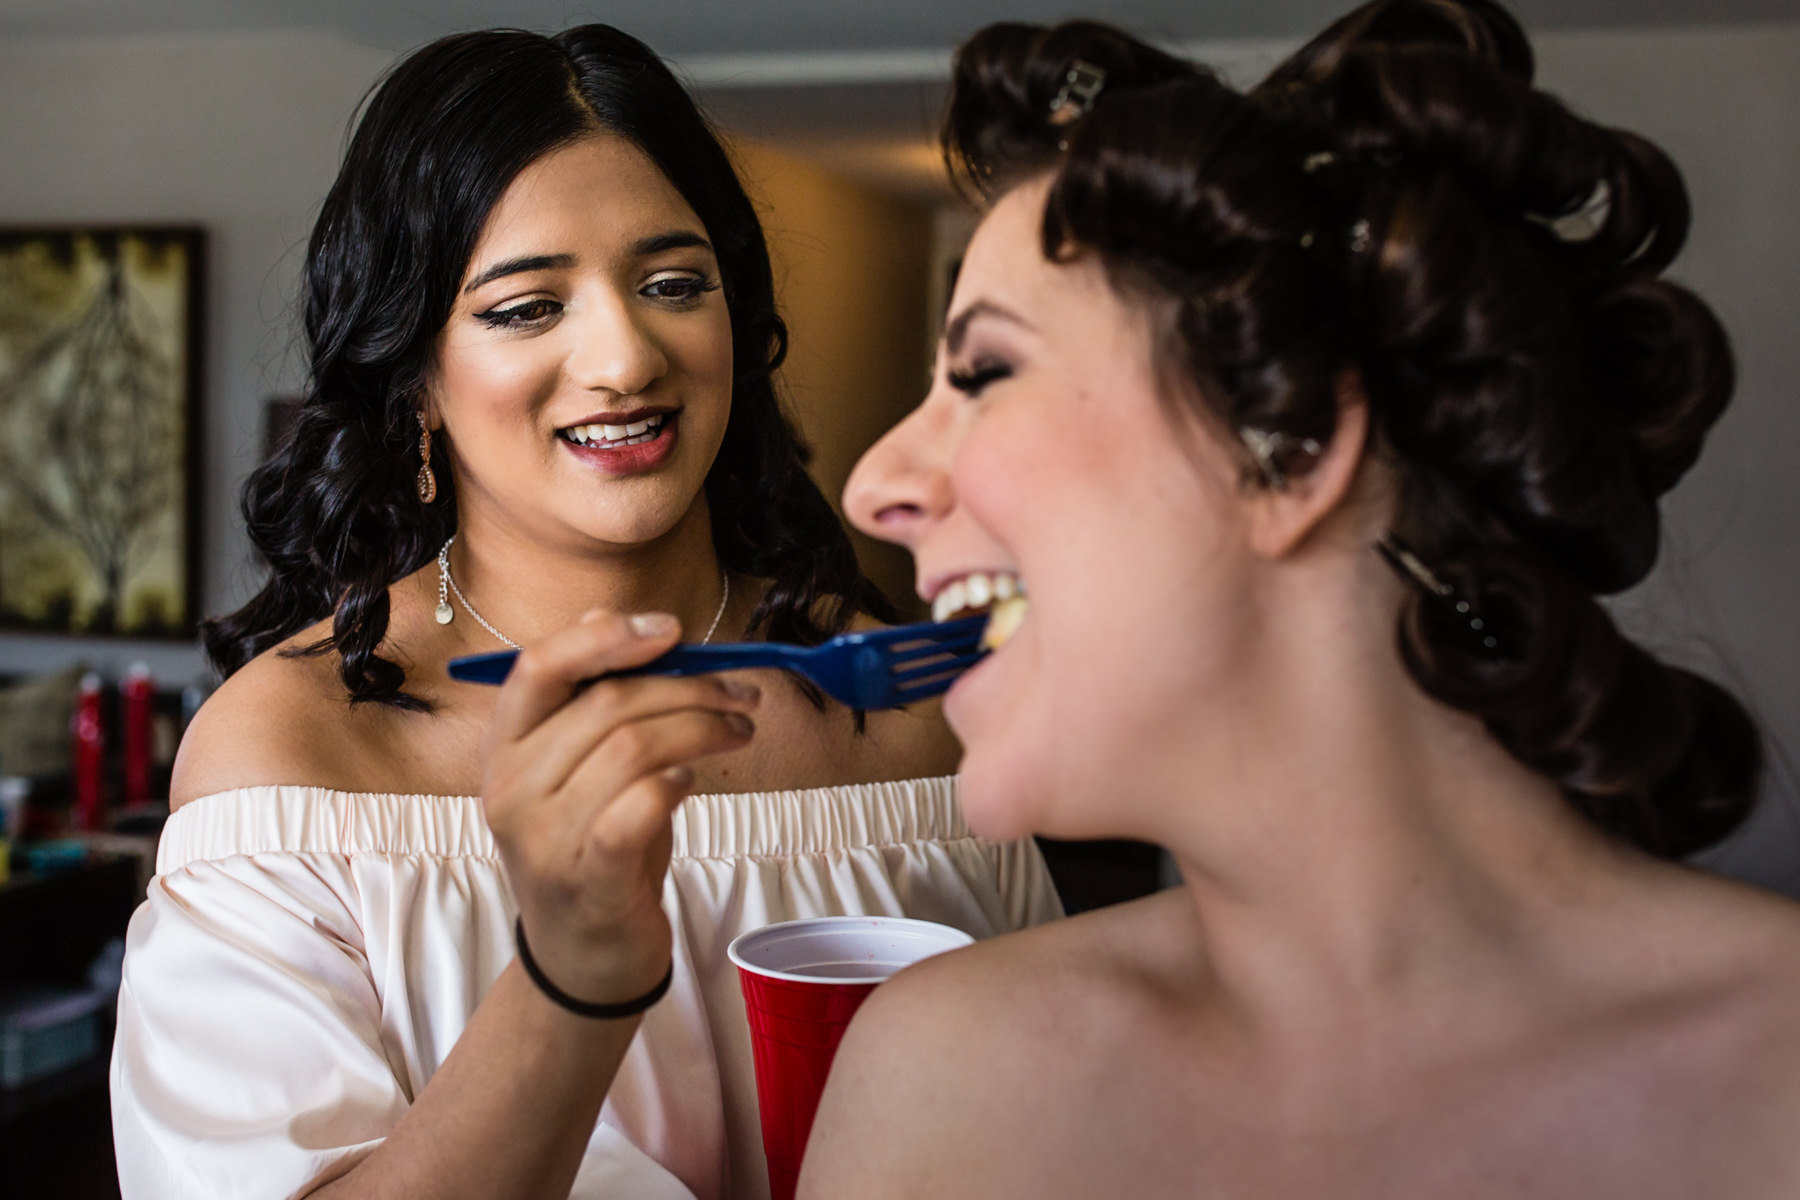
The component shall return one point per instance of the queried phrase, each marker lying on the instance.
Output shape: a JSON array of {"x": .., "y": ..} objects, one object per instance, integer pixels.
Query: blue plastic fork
[{"x": 882, "y": 668}]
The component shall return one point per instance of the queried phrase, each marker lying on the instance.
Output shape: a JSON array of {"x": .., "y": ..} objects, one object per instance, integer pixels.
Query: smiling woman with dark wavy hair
[
  {"x": 1313, "y": 421},
  {"x": 411, "y": 936}
]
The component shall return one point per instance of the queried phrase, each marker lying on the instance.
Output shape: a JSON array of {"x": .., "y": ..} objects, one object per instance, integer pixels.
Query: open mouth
[
  {"x": 1000, "y": 594},
  {"x": 629, "y": 444},
  {"x": 614, "y": 437}
]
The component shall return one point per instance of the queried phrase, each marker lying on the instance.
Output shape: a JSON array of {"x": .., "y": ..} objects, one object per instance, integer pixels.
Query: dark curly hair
[
  {"x": 1397, "y": 200},
  {"x": 335, "y": 514}
]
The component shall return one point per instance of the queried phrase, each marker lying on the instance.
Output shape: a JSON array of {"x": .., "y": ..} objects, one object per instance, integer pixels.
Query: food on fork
[
  {"x": 1004, "y": 620},
  {"x": 997, "y": 593}
]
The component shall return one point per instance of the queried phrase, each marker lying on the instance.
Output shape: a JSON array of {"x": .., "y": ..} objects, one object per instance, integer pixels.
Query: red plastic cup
[{"x": 803, "y": 981}]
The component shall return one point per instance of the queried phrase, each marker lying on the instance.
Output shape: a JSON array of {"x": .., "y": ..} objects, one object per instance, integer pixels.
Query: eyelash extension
[
  {"x": 502, "y": 318},
  {"x": 971, "y": 382},
  {"x": 531, "y": 311},
  {"x": 692, "y": 288}
]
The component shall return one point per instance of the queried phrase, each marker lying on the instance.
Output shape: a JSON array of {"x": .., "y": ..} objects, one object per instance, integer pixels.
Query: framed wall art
[{"x": 99, "y": 429}]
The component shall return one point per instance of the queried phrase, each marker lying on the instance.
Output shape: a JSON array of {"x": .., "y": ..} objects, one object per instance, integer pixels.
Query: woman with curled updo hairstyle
[
  {"x": 1312, "y": 421},
  {"x": 417, "y": 936},
  {"x": 1381, "y": 205}
]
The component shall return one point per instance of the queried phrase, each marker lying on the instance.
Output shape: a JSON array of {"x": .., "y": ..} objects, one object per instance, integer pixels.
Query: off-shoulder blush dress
[{"x": 306, "y": 958}]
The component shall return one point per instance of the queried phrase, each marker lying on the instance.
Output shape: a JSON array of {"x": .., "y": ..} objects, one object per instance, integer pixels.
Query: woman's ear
[{"x": 1283, "y": 514}]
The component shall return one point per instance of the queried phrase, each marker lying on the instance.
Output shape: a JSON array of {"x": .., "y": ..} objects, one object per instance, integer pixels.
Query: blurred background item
[
  {"x": 34, "y": 722},
  {"x": 84, "y": 771}
]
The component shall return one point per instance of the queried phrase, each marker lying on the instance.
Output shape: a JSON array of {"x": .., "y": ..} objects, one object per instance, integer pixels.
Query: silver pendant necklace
[{"x": 447, "y": 587}]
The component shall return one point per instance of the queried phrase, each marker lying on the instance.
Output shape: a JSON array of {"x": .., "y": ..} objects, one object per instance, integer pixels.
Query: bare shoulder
[
  {"x": 956, "y": 1055},
  {"x": 1763, "y": 1091},
  {"x": 1750, "y": 940},
  {"x": 1744, "y": 938},
  {"x": 907, "y": 743},
  {"x": 282, "y": 718},
  {"x": 1701, "y": 996},
  {"x": 1109, "y": 958},
  {"x": 909, "y": 1066}
]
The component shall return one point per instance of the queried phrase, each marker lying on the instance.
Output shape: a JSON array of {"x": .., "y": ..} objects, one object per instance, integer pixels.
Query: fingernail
[
  {"x": 653, "y": 624},
  {"x": 740, "y": 723},
  {"x": 740, "y": 689},
  {"x": 680, "y": 776},
  {"x": 592, "y": 615}
]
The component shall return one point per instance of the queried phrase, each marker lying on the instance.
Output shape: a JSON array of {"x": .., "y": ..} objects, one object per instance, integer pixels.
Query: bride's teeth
[
  {"x": 950, "y": 600},
  {"x": 974, "y": 593},
  {"x": 636, "y": 427},
  {"x": 614, "y": 433}
]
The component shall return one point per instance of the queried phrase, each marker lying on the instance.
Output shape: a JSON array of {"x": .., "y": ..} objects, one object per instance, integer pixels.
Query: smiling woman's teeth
[
  {"x": 614, "y": 435},
  {"x": 973, "y": 593},
  {"x": 998, "y": 592}
]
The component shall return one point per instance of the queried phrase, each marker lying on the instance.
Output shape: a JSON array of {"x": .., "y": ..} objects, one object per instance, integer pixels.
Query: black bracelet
[{"x": 581, "y": 1008}]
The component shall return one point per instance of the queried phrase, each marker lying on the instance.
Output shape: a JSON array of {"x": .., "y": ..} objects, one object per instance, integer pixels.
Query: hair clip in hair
[
  {"x": 1361, "y": 236},
  {"x": 1585, "y": 223},
  {"x": 1081, "y": 87},
  {"x": 1412, "y": 569},
  {"x": 1315, "y": 162},
  {"x": 1268, "y": 446}
]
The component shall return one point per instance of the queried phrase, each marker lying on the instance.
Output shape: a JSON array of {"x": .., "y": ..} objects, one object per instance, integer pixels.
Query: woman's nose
[
  {"x": 615, "y": 350},
  {"x": 901, "y": 485}
]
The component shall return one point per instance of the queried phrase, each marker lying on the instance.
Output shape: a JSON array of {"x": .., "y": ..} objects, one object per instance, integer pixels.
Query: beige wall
[{"x": 852, "y": 269}]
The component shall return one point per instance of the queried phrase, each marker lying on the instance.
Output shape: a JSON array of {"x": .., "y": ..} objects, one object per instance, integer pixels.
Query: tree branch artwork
[{"x": 95, "y": 346}]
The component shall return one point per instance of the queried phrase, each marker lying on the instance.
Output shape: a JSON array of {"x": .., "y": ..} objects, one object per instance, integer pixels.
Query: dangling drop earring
[{"x": 427, "y": 481}]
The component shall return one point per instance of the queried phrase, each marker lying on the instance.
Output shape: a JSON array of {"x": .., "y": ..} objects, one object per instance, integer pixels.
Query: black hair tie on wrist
[{"x": 581, "y": 1008}]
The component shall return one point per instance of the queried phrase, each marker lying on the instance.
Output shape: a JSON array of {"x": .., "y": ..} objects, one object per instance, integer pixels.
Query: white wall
[
  {"x": 1726, "y": 106},
  {"x": 242, "y": 135}
]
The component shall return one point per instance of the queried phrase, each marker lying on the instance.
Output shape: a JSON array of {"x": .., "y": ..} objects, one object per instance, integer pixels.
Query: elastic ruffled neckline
[{"x": 297, "y": 819}]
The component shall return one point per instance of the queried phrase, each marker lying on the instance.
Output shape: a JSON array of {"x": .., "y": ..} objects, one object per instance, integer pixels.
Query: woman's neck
[
  {"x": 1363, "y": 847},
  {"x": 526, "y": 587}
]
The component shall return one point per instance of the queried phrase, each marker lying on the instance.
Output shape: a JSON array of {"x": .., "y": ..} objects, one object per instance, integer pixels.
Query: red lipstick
[{"x": 621, "y": 460}]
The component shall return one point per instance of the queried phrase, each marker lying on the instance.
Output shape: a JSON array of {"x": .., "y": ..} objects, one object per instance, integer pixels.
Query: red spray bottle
[
  {"x": 90, "y": 754},
  {"x": 137, "y": 701}
]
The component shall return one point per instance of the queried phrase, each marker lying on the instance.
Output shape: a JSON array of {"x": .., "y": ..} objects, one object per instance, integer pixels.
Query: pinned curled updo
[{"x": 1397, "y": 199}]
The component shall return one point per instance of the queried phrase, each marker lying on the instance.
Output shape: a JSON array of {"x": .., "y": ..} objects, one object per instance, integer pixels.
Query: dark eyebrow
[
  {"x": 518, "y": 266},
  {"x": 680, "y": 239},
  {"x": 659, "y": 243},
  {"x": 958, "y": 328}
]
